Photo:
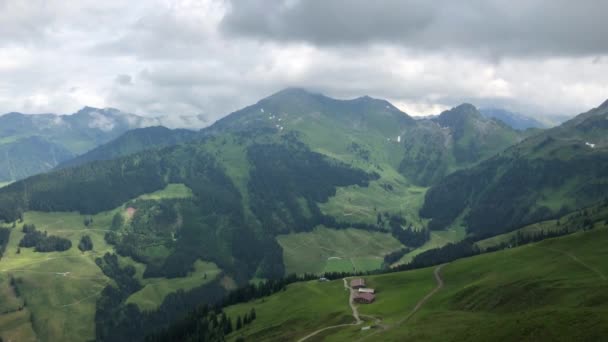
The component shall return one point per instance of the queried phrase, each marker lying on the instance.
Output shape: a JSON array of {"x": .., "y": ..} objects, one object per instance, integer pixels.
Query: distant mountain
[
  {"x": 515, "y": 120},
  {"x": 28, "y": 156},
  {"x": 271, "y": 168},
  {"x": 554, "y": 172},
  {"x": 134, "y": 141},
  {"x": 76, "y": 134},
  {"x": 455, "y": 139}
]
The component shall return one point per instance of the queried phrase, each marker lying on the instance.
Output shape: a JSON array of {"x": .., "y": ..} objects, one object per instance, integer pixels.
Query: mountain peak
[
  {"x": 293, "y": 91},
  {"x": 458, "y": 113},
  {"x": 466, "y": 107},
  {"x": 604, "y": 105}
]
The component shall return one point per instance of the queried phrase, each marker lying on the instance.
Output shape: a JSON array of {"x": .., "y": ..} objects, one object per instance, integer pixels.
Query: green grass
[
  {"x": 60, "y": 288},
  {"x": 362, "y": 204},
  {"x": 16, "y": 326},
  {"x": 155, "y": 289},
  {"x": 597, "y": 215},
  {"x": 295, "y": 312},
  {"x": 62, "y": 304},
  {"x": 555, "y": 290},
  {"x": 438, "y": 239},
  {"x": 324, "y": 250},
  {"x": 172, "y": 191}
]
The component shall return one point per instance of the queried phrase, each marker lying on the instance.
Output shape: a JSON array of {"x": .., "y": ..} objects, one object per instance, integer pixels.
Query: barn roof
[
  {"x": 366, "y": 296},
  {"x": 357, "y": 282}
]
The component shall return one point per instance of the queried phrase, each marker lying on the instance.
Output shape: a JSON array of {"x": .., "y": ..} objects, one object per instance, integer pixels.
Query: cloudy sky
[{"x": 540, "y": 57}]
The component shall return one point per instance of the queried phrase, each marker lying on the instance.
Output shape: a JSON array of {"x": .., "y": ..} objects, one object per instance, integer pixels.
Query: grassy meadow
[
  {"x": 554, "y": 290},
  {"x": 155, "y": 289},
  {"x": 293, "y": 313},
  {"x": 327, "y": 250},
  {"x": 60, "y": 289}
]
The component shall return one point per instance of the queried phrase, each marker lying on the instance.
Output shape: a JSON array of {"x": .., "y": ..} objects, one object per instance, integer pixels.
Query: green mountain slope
[
  {"x": 554, "y": 172},
  {"x": 244, "y": 196},
  {"x": 515, "y": 120},
  {"x": 549, "y": 291},
  {"x": 28, "y": 156},
  {"x": 458, "y": 138},
  {"x": 133, "y": 141},
  {"x": 271, "y": 168}
]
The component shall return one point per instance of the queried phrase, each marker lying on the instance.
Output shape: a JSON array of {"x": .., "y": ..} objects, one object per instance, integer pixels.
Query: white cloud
[{"x": 175, "y": 57}]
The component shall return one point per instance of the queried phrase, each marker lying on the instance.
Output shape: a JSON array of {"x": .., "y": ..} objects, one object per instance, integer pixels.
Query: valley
[
  {"x": 287, "y": 170},
  {"x": 128, "y": 237}
]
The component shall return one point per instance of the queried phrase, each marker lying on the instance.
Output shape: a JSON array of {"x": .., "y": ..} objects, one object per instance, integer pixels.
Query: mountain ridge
[{"x": 555, "y": 171}]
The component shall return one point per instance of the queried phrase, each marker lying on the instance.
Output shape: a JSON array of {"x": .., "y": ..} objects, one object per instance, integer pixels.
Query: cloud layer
[{"x": 211, "y": 57}]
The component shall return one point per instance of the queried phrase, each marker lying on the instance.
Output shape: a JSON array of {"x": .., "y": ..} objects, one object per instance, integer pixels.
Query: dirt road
[
  {"x": 421, "y": 302},
  {"x": 353, "y": 307},
  {"x": 358, "y": 321}
]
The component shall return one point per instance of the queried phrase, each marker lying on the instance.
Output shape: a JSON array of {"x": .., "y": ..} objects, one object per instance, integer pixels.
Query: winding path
[
  {"x": 356, "y": 316},
  {"x": 421, "y": 302},
  {"x": 353, "y": 307}
]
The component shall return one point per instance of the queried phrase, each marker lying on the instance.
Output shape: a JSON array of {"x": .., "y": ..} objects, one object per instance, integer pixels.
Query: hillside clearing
[{"x": 327, "y": 250}]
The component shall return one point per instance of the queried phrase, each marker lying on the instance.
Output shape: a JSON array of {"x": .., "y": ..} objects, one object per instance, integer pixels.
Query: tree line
[{"x": 41, "y": 241}]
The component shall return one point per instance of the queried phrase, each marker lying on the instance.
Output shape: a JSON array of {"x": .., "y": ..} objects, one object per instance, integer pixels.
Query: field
[
  {"x": 155, "y": 289},
  {"x": 554, "y": 290},
  {"x": 60, "y": 289},
  {"x": 391, "y": 193},
  {"x": 326, "y": 250},
  {"x": 172, "y": 191},
  {"x": 438, "y": 239},
  {"x": 294, "y": 312}
]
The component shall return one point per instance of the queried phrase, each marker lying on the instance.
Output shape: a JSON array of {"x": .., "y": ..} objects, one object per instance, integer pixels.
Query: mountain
[
  {"x": 515, "y": 120},
  {"x": 75, "y": 134},
  {"x": 296, "y": 183},
  {"x": 537, "y": 292},
  {"x": 66, "y": 135},
  {"x": 28, "y": 156},
  {"x": 133, "y": 141},
  {"x": 456, "y": 139},
  {"x": 556, "y": 171}
]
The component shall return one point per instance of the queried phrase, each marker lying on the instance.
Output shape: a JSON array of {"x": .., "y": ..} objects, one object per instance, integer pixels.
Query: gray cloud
[
  {"x": 124, "y": 80},
  {"x": 493, "y": 27},
  {"x": 209, "y": 57}
]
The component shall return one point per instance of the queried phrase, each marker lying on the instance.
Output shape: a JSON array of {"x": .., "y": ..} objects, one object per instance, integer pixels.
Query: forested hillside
[
  {"x": 555, "y": 172},
  {"x": 456, "y": 139},
  {"x": 295, "y": 183},
  {"x": 133, "y": 141}
]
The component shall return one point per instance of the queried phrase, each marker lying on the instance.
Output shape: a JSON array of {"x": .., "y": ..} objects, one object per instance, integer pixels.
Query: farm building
[
  {"x": 357, "y": 283},
  {"x": 366, "y": 290},
  {"x": 364, "y": 298}
]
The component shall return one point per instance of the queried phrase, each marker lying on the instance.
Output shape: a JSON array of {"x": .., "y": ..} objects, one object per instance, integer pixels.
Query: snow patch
[
  {"x": 399, "y": 139},
  {"x": 262, "y": 110},
  {"x": 590, "y": 144}
]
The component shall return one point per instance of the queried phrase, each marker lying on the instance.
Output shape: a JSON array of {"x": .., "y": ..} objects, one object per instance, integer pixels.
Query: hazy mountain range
[{"x": 31, "y": 144}]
